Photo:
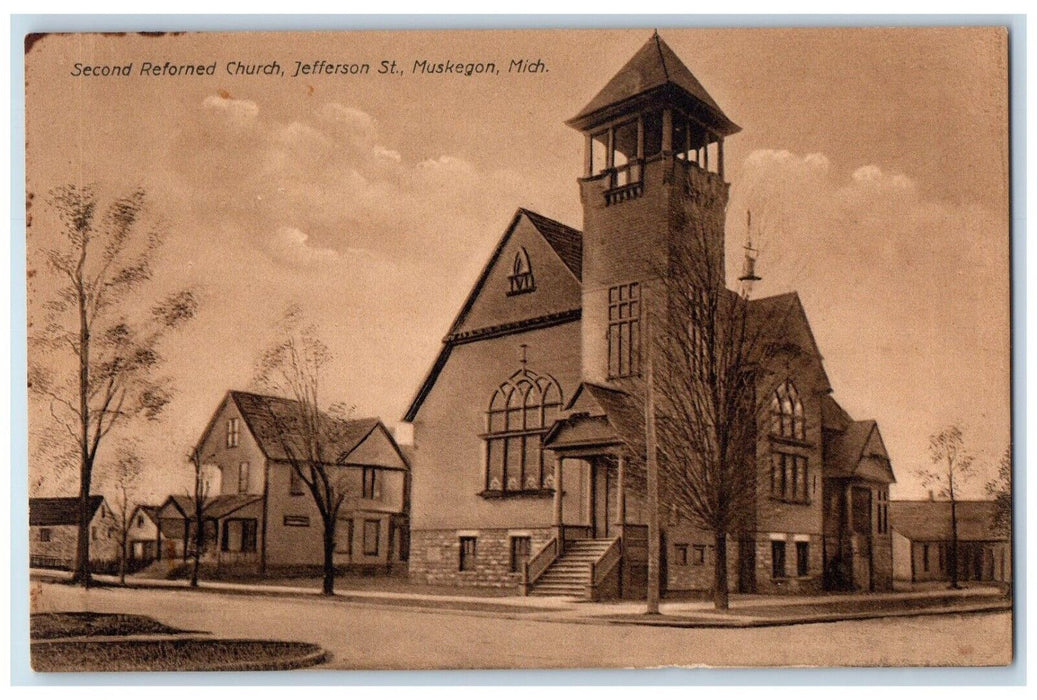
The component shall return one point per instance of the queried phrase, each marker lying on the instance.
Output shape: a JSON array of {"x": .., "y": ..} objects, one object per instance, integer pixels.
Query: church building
[{"x": 526, "y": 428}]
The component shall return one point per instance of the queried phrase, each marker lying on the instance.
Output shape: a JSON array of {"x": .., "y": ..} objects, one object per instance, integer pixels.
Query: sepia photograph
[{"x": 518, "y": 349}]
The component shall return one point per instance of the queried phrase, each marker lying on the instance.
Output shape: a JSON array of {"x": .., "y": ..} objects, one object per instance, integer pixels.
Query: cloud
[
  {"x": 291, "y": 246},
  {"x": 239, "y": 111}
]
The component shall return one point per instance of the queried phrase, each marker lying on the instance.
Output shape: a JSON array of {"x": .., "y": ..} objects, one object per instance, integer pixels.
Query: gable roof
[
  {"x": 833, "y": 416},
  {"x": 268, "y": 417},
  {"x": 654, "y": 68},
  {"x": 929, "y": 521},
  {"x": 774, "y": 315},
  {"x": 857, "y": 451},
  {"x": 600, "y": 414},
  {"x": 567, "y": 244},
  {"x": 59, "y": 511},
  {"x": 150, "y": 511},
  {"x": 218, "y": 507}
]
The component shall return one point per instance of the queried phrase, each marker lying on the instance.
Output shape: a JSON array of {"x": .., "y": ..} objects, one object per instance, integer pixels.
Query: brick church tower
[{"x": 653, "y": 178}]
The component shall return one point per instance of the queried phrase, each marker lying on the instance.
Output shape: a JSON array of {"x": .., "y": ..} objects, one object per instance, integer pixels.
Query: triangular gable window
[{"x": 521, "y": 277}]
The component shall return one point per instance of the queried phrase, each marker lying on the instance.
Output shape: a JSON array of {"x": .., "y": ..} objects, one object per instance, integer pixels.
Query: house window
[
  {"x": 140, "y": 520},
  {"x": 777, "y": 559},
  {"x": 297, "y": 521},
  {"x": 802, "y": 558},
  {"x": 232, "y": 432},
  {"x": 521, "y": 411},
  {"x": 467, "y": 558},
  {"x": 883, "y": 512},
  {"x": 787, "y": 413},
  {"x": 700, "y": 555},
  {"x": 680, "y": 554},
  {"x": 239, "y": 535},
  {"x": 295, "y": 482},
  {"x": 372, "y": 484},
  {"x": 44, "y": 534},
  {"x": 925, "y": 557},
  {"x": 372, "y": 528},
  {"x": 519, "y": 552},
  {"x": 93, "y": 533},
  {"x": 344, "y": 536},
  {"x": 625, "y": 330},
  {"x": 521, "y": 278},
  {"x": 243, "y": 477},
  {"x": 789, "y": 477}
]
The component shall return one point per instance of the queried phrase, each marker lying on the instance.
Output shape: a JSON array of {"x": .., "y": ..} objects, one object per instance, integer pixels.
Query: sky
[{"x": 875, "y": 160}]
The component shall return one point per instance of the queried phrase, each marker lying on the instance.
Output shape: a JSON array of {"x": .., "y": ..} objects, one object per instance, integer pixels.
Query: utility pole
[{"x": 652, "y": 465}]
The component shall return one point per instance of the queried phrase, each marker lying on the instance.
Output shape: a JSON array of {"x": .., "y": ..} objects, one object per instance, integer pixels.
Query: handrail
[
  {"x": 536, "y": 565},
  {"x": 608, "y": 560}
]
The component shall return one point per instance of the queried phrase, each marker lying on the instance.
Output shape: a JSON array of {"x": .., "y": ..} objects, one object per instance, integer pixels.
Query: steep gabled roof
[
  {"x": 59, "y": 511},
  {"x": 774, "y": 316},
  {"x": 930, "y": 521},
  {"x": 217, "y": 507},
  {"x": 275, "y": 424},
  {"x": 857, "y": 451},
  {"x": 148, "y": 510},
  {"x": 833, "y": 416},
  {"x": 566, "y": 241},
  {"x": 567, "y": 244},
  {"x": 654, "y": 68}
]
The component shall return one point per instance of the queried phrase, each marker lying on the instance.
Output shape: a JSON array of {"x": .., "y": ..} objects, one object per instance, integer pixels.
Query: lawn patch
[
  {"x": 174, "y": 655},
  {"x": 88, "y": 624}
]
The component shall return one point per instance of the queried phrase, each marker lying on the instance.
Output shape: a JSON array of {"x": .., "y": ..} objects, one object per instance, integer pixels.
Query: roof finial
[
  {"x": 523, "y": 360},
  {"x": 749, "y": 263}
]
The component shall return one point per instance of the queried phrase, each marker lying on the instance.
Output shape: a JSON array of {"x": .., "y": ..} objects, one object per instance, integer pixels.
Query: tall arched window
[
  {"x": 521, "y": 277},
  {"x": 521, "y": 411},
  {"x": 787, "y": 412}
]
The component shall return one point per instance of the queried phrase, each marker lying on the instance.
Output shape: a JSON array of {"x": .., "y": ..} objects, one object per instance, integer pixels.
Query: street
[{"x": 361, "y": 636}]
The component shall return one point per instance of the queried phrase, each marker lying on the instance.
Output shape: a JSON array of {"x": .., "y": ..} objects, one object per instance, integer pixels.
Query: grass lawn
[
  {"x": 87, "y": 624},
  {"x": 173, "y": 655}
]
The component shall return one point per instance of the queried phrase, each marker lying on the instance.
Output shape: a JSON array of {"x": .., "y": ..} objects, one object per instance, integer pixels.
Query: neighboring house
[
  {"x": 922, "y": 542},
  {"x": 53, "y": 529},
  {"x": 526, "y": 428},
  {"x": 262, "y": 516},
  {"x": 142, "y": 535}
]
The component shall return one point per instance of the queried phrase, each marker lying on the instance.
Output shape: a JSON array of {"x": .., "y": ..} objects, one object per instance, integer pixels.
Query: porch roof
[{"x": 599, "y": 416}]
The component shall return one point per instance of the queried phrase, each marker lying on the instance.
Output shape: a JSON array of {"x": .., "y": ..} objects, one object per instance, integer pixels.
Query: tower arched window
[
  {"x": 787, "y": 412},
  {"x": 521, "y": 411}
]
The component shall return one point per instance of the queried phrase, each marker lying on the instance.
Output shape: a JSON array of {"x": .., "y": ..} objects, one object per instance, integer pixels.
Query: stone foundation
[{"x": 436, "y": 556}]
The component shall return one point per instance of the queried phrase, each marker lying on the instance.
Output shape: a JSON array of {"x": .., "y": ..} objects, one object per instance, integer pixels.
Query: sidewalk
[{"x": 745, "y": 610}]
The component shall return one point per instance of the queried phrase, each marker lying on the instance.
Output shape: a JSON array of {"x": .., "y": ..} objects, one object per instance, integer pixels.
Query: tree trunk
[
  {"x": 122, "y": 560},
  {"x": 952, "y": 556},
  {"x": 199, "y": 540},
  {"x": 329, "y": 557},
  {"x": 720, "y": 594},
  {"x": 81, "y": 572},
  {"x": 82, "y": 563}
]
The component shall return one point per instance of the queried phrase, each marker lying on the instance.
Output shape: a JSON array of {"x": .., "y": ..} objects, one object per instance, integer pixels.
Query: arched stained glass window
[
  {"x": 521, "y": 411},
  {"x": 787, "y": 412}
]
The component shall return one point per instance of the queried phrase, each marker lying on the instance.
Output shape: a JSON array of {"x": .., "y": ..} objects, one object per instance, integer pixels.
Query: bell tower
[{"x": 653, "y": 180}]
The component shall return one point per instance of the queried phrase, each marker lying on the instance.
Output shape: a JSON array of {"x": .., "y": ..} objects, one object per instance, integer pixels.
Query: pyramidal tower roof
[{"x": 654, "y": 72}]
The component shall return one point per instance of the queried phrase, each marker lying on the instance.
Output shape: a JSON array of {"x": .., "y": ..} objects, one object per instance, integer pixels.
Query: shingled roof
[
  {"x": 930, "y": 521},
  {"x": 566, "y": 241},
  {"x": 59, "y": 511},
  {"x": 274, "y": 422},
  {"x": 655, "y": 67}
]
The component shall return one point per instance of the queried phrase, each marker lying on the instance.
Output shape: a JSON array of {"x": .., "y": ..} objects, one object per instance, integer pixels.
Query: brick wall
[{"x": 436, "y": 556}]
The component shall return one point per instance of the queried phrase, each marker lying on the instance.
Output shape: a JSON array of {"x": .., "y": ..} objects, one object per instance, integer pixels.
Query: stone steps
[{"x": 570, "y": 574}]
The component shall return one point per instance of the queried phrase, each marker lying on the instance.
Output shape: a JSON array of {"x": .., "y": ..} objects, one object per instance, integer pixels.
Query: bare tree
[
  {"x": 712, "y": 359},
  {"x": 101, "y": 258},
  {"x": 200, "y": 501},
  {"x": 952, "y": 467},
  {"x": 1001, "y": 489},
  {"x": 309, "y": 434},
  {"x": 123, "y": 479}
]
